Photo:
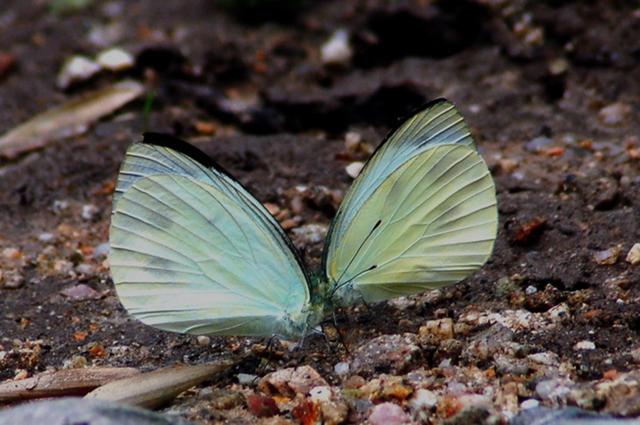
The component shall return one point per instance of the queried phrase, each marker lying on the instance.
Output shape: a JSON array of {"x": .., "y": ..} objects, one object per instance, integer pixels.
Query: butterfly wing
[
  {"x": 193, "y": 252},
  {"x": 421, "y": 215}
]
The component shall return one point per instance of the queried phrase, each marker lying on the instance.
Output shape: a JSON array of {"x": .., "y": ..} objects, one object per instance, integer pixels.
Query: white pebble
[
  {"x": 633, "y": 256},
  {"x": 115, "y": 59},
  {"x": 46, "y": 237},
  {"x": 336, "y": 50},
  {"x": 78, "y": 68},
  {"x": 530, "y": 290},
  {"x": 423, "y": 400},
  {"x": 247, "y": 379},
  {"x": 529, "y": 404},
  {"x": 354, "y": 169},
  {"x": 341, "y": 368},
  {"x": 203, "y": 340},
  {"x": 585, "y": 345},
  {"x": 89, "y": 211}
]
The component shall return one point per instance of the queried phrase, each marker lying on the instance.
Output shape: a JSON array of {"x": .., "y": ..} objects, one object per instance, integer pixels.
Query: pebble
[
  {"x": 530, "y": 290},
  {"x": 394, "y": 353},
  {"x": 89, "y": 212},
  {"x": 203, "y": 340},
  {"x": 336, "y": 50},
  {"x": 46, "y": 237},
  {"x": 585, "y": 345},
  {"x": 555, "y": 390},
  {"x": 614, "y": 114},
  {"x": 529, "y": 404},
  {"x": 11, "y": 279},
  {"x": 59, "y": 206},
  {"x": 388, "y": 414},
  {"x": 546, "y": 358},
  {"x": 423, "y": 400},
  {"x": 85, "y": 269},
  {"x": 291, "y": 381},
  {"x": 11, "y": 253},
  {"x": 311, "y": 233},
  {"x": 101, "y": 250},
  {"x": 435, "y": 331},
  {"x": 81, "y": 292},
  {"x": 354, "y": 169},
  {"x": 633, "y": 256},
  {"x": 341, "y": 368},
  {"x": 332, "y": 406},
  {"x": 115, "y": 59},
  {"x": 78, "y": 68},
  {"x": 75, "y": 362},
  {"x": 538, "y": 144},
  {"x": 352, "y": 141},
  {"x": 247, "y": 378}
]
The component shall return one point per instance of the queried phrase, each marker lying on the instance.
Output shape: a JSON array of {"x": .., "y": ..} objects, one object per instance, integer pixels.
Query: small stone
[
  {"x": 289, "y": 382},
  {"x": 89, "y": 212},
  {"x": 247, "y": 378},
  {"x": 273, "y": 209},
  {"x": 81, "y": 292},
  {"x": 584, "y": 345},
  {"x": 352, "y": 141},
  {"x": 354, "y": 169},
  {"x": 336, "y": 50},
  {"x": 333, "y": 407},
  {"x": 75, "y": 362},
  {"x": 435, "y": 331},
  {"x": 85, "y": 269},
  {"x": 60, "y": 205},
  {"x": 12, "y": 253},
  {"x": 538, "y": 144},
  {"x": 633, "y": 256},
  {"x": 311, "y": 233},
  {"x": 423, "y": 400},
  {"x": 77, "y": 69},
  {"x": 507, "y": 165},
  {"x": 388, "y": 414},
  {"x": 546, "y": 358},
  {"x": 530, "y": 290},
  {"x": 558, "y": 66},
  {"x": 554, "y": 389},
  {"x": 205, "y": 127},
  {"x": 393, "y": 353},
  {"x": 290, "y": 223},
  {"x": 115, "y": 59},
  {"x": 101, "y": 250},
  {"x": 46, "y": 237},
  {"x": 614, "y": 114},
  {"x": 529, "y": 404},
  {"x": 203, "y": 340},
  {"x": 11, "y": 279},
  {"x": 607, "y": 257},
  {"x": 341, "y": 368},
  {"x": 262, "y": 406},
  {"x": 62, "y": 266}
]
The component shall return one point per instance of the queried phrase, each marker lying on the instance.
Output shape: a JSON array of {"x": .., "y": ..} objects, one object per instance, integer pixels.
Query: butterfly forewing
[
  {"x": 192, "y": 251},
  {"x": 431, "y": 221}
]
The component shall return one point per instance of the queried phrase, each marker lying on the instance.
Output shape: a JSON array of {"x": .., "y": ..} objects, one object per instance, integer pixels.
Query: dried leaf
[
  {"x": 62, "y": 383},
  {"x": 156, "y": 388},
  {"x": 69, "y": 119}
]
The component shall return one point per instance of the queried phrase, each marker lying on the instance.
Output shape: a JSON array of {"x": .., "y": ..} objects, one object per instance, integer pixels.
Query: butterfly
[{"x": 192, "y": 251}]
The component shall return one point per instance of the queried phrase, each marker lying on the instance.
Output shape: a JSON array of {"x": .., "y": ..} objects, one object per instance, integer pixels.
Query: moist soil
[{"x": 533, "y": 79}]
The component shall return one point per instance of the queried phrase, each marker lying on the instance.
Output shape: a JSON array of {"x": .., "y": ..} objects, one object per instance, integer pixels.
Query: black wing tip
[{"x": 179, "y": 145}]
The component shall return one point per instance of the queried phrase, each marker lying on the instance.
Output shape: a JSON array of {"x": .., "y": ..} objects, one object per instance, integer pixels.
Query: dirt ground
[{"x": 549, "y": 88}]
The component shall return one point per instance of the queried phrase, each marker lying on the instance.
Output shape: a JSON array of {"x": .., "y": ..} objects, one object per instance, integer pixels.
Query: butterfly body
[{"x": 192, "y": 251}]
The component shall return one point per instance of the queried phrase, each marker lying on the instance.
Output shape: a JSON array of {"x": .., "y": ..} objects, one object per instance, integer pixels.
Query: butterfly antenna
[{"x": 375, "y": 226}]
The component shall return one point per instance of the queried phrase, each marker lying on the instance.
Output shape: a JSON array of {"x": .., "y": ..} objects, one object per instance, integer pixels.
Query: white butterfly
[{"x": 192, "y": 251}]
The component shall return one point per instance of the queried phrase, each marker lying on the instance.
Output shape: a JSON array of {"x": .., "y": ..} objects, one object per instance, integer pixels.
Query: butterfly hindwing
[
  {"x": 192, "y": 251},
  {"x": 421, "y": 215}
]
